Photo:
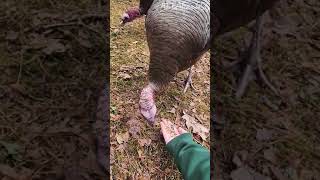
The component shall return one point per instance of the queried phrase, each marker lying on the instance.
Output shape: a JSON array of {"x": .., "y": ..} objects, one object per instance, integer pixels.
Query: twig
[
  {"x": 43, "y": 68},
  {"x": 20, "y": 66}
]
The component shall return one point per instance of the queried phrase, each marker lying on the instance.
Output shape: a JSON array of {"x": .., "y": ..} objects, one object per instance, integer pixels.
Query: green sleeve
[{"x": 192, "y": 159}]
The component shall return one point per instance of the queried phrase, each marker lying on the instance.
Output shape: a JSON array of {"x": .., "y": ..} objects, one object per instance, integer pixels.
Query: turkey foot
[
  {"x": 253, "y": 66},
  {"x": 188, "y": 81},
  {"x": 148, "y": 108}
]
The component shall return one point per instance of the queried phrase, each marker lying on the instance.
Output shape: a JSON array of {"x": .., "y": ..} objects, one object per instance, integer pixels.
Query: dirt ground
[
  {"x": 52, "y": 68},
  {"x": 137, "y": 149},
  {"x": 263, "y": 136}
]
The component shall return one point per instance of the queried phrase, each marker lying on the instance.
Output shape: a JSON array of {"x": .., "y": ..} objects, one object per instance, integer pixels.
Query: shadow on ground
[
  {"x": 52, "y": 65},
  {"x": 265, "y": 136}
]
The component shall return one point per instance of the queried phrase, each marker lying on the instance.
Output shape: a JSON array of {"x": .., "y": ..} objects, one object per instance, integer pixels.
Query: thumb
[{"x": 182, "y": 131}]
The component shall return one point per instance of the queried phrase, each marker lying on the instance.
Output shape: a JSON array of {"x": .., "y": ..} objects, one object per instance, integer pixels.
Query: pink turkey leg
[{"x": 147, "y": 105}]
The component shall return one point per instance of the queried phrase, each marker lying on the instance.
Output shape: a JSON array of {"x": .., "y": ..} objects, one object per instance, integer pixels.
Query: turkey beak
[{"x": 121, "y": 23}]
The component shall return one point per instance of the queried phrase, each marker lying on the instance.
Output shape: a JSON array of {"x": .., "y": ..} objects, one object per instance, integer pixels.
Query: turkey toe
[
  {"x": 147, "y": 105},
  {"x": 188, "y": 81}
]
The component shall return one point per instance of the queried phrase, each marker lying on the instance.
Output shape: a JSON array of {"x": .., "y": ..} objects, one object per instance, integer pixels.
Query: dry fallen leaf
[
  {"x": 8, "y": 171},
  {"x": 197, "y": 128},
  {"x": 134, "y": 131},
  {"x": 269, "y": 154},
  {"x": 11, "y": 35},
  {"x": 54, "y": 45},
  {"x": 277, "y": 173},
  {"x": 85, "y": 43},
  {"x": 115, "y": 117},
  {"x": 140, "y": 154},
  {"x": 264, "y": 134},
  {"x": 122, "y": 138},
  {"x": 236, "y": 160},
  {"x": 144, "y": 142},
  {"x": 173, "y": 110},
  {"x": 124, "y": 76},
  {"x": 134, "y": 127},
  {"x": 246, "y": 173},
  {"x": 241, "y": 174}
]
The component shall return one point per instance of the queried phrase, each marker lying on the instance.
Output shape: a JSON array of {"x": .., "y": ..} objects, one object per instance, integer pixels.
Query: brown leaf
[
  {"x": 85, "y": 43},
  {"x": 53, "y": 46},
  {"x": 124, "y": 76},
  {"x": 269, "y": 155},
  {"x": 264, "y": 134},
  {"x": 8, "y": 171},
  {"x": 115, "y": 117},
  {"x": 246, "y": 173},
  {"x": 144, "y": 142},
  {"x": 241, "y": 174},
  {"x": 37, "y": 41},
  {"x": 307, "y": 174},
  {"x": 197, "y": 128},
  {"x": 140, "y": 154},
  {"x": 277, "y": 173},
  {"x": 11, "y": 35},
  {"x": 122, "y": 138},
  {"x": 144, "y": 177},
  {"x": 236, "y": 160},
  {"x": 173, "y": 110},
  {"x": 134, "y": 127},
  {"x": 134, "y": 131}
]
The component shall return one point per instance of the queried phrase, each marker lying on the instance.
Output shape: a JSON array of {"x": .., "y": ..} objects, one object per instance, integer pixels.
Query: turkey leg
[
  {"x": 188, "y": 81},
  {"x": 254, "y": 63},
  {"x": 147, "y": 104}
]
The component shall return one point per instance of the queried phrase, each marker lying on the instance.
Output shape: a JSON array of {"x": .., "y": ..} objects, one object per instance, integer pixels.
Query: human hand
[{"x": 170, "y": 131}]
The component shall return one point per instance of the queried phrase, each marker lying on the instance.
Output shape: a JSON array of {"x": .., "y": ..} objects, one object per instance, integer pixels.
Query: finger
[
  {"x": 163, "y": 121},
  {"x": 182, "y": 131},
  {"x": 163, "y": 128},
  {"x": 173, "y": 128},
  {"x": 176, "y": 131},
  {"x": 164, "y": 131}
]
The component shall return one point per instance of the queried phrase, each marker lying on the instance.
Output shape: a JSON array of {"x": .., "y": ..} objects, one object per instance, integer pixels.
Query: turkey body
[
  {"x": 178, "y": 33},
  {"x": 234, "y": 14}
]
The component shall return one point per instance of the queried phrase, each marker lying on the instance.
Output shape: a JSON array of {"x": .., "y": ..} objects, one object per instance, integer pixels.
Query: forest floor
[
  {"x": 52, "y": 70},
  {"x": 137, "y": 149},
  {"x": 266, "y": 136}
]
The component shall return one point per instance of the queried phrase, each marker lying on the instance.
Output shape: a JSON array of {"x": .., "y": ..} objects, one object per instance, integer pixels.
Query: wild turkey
[
  {"x": 178, "y": 33},
  {"x": 233, "y": 14}
]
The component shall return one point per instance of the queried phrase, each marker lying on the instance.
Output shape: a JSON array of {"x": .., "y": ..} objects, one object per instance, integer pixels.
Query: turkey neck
[{"x": 144, "y": 6}]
